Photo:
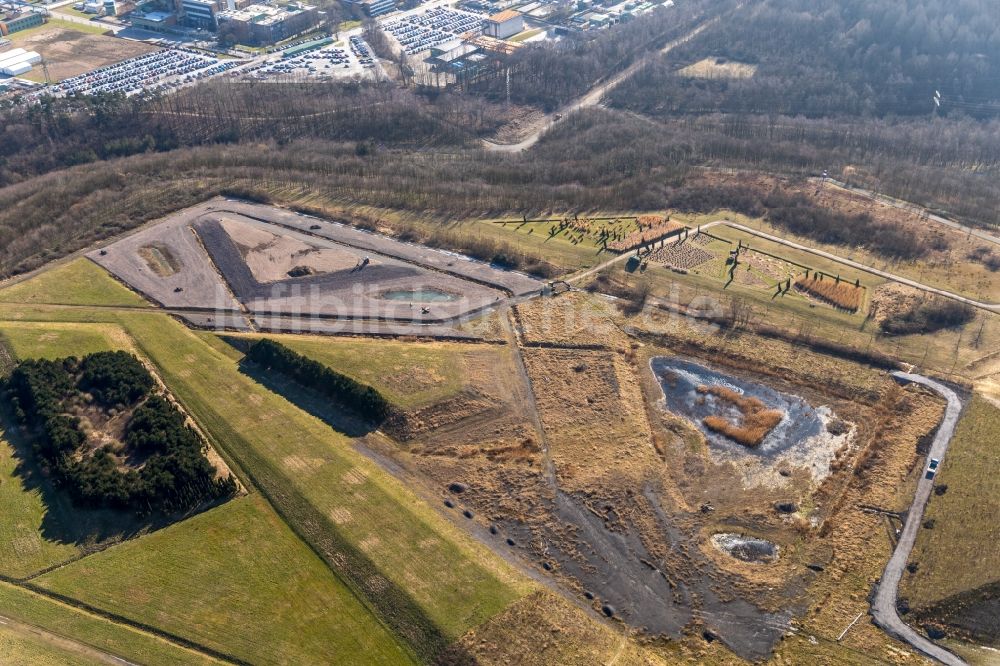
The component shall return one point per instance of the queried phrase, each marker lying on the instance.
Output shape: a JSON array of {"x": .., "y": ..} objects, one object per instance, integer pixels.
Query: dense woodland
[
  {"x": 827, "y": 58},
  {"x": 159, "y": 465},
  {"x": 75, "y": 171}
]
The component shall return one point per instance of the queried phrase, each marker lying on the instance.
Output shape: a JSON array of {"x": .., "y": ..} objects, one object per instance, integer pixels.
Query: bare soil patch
[
  {"x": 272, "y": 257},
  {"x": 70, "y": 53},
  {"x": 718, "y": 68}
]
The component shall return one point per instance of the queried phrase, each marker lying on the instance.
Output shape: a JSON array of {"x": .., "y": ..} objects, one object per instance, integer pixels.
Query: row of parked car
[
  {"x": 361, "y": 51},
  {"x": 145, "y": 72},
  {"x": 423, "y": 31}
]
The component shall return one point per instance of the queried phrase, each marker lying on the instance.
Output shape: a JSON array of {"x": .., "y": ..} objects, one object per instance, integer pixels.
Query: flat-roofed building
[
  {"x": 266, "y": 24},
  {"x": 154, "y": 21}
]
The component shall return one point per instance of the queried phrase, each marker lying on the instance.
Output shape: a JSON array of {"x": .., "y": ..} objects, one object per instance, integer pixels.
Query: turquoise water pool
[{"x": 419, "y": 295}]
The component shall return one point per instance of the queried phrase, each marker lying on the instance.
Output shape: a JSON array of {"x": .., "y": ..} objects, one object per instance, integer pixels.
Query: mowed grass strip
[
  {"x": 52, "y": 340},
  {"x": 960, "y": 553},
  {"x": 408, "y": 374},
  {"x": 36, "y": 530},
  {"x": 138, "y": 647},
  {"x": 426, "y": 579},
  {"x": 22, "y": 648},
  {"x": 25, "y": 546},
  {"x": 78, "y": 282},
  {"x": 235, "y": 579}
]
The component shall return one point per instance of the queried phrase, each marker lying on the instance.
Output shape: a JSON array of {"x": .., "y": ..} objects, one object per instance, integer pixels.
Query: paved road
[
  {"x": 591, "y": 98},
  {"x": 883, "y": 607},
  {"x": 992, "y": 307}
]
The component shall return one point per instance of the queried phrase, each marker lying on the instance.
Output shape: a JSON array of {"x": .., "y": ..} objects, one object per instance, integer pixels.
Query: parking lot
[
  {"x": 330, "y": 61},
  {"x": 419, "y": 32},
  {"x": 157, "y": 71}
]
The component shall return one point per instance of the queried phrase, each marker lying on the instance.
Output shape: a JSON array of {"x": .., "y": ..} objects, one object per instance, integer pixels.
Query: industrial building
[
  {"x": 266, "y": 24},
  {"x": 16, "y": 21},
  {"x": 18, "y": 61},
  {"x": 503, "y": 25}
]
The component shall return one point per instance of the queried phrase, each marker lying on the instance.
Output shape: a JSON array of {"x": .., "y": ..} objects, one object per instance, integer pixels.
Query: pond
[
  {"x": 425, "y": 295},
  {"x": 745, "y": 548},
  {"x": 800, "y": 439}
]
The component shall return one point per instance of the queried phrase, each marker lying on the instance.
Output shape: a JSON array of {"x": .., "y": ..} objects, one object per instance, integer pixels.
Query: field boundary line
[{"x": 115, "y": 618}]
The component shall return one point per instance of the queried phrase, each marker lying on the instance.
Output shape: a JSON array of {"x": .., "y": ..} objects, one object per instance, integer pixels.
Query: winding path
[{"x": 883, "y": 608}]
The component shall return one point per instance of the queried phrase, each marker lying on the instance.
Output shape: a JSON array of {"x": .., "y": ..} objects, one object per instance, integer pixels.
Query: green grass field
[
  {"x": 52, "y": 341},
  {"x": 333, "y": 492},
  {"x": 409, "y": 374},
  {"x": 236, "y": 579},
  {"x": 422, "y": 576},
  {"x": 25, "y": 649},
  {"x": 95, "y": 29},
  {"x": 128, "y": 643},
  {"x": 79, "y": 282},
  {"x": 960, "y": 553},
  {"x": 23, "y": 547}
]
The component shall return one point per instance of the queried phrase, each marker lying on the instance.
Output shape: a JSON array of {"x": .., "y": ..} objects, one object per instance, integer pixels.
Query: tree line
[
  {"x": 174, "y": 475},
  {"x": 344, "y": 391}
]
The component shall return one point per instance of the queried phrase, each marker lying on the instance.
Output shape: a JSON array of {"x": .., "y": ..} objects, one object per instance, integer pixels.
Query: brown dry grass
[
  {"x": 757, "y": 419},
  {"x": 545, "y": 629},
  {"x": 649, "y": 235},
  {"x": 715, "y": 68},
  {"x": 838, "y": 293}
]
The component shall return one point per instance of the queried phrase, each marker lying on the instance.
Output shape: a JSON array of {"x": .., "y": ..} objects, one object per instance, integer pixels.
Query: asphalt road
[{"x": 883, "y": 608}]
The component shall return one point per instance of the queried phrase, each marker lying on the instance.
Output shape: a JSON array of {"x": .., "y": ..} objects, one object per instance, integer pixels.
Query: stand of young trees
[
  {"x": 341, "y": 389},
  {"x": 175, "y": 476}
]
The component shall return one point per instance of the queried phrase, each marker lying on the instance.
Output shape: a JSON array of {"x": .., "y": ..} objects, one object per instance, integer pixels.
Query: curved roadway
[{"x": 883, "y": 608}]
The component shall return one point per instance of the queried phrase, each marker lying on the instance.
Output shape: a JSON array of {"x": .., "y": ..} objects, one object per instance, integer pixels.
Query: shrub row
[{"x": 345, "y": 391}]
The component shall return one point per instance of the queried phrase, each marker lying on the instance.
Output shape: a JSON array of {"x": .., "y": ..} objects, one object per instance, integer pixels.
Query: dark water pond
[{"x": 745, "y": 548}]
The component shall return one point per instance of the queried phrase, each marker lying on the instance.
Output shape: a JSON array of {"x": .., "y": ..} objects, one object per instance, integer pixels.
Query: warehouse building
[
  {"x": 503, "y": 25},
  {"x": 18, "y": 62}
]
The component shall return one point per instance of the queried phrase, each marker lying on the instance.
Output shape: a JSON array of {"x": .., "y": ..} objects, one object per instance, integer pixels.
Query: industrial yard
[{"x": 252, "y": 266}]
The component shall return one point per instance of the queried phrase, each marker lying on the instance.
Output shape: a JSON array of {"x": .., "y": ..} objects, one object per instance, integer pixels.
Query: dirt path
[
  {"x": 592, "y": 97},
  {"x": 914, "y": 208},
  {"x": 61, "y": 642},
  {"x": 883, "y": 608}
]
